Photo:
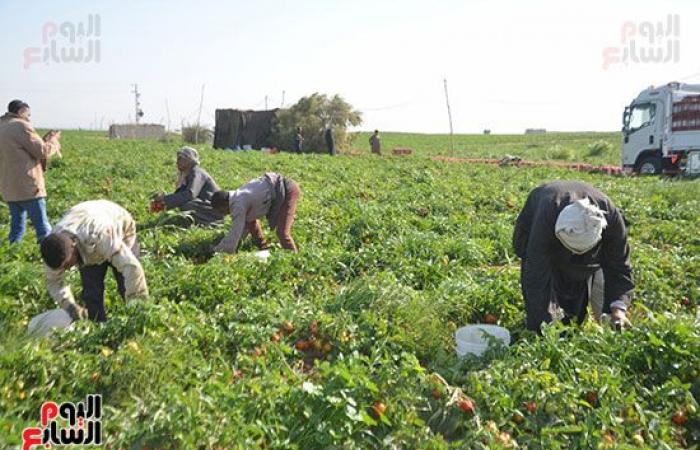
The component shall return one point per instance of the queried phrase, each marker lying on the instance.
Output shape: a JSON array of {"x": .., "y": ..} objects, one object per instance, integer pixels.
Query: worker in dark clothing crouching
[{"x": 572, "y": 242}]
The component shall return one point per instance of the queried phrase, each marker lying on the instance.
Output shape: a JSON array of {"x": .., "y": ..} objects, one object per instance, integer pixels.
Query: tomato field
[{"x": 350, "y": 342}]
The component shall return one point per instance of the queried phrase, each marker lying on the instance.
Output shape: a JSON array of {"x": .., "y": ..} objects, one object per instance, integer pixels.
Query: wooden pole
[
  {"x": 199, "y": 117},
  {"x": 449, "y": 116},
  {"x": 167, "y": 110}
]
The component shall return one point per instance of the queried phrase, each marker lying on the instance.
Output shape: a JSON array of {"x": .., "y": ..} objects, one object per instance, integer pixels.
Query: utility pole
[
  {"x": 138, "y": 113},
  {"x": 266, "y": 103},
  {"x": 282, "y": 104},
  {"x": 199, "y": 117},
  {"x": 167, "y": 111},
  {"x": 449, "y": 116}
]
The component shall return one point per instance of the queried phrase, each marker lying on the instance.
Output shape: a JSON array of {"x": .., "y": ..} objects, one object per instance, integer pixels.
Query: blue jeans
[{"x": 36, "y": 208}]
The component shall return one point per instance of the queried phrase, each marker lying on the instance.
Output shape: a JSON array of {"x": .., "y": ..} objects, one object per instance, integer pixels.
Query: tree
[{"x": 312, "y": 114}]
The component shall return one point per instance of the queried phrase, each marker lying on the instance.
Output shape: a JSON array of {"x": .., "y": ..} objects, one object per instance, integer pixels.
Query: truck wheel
[{"x": 649, "y": 165}]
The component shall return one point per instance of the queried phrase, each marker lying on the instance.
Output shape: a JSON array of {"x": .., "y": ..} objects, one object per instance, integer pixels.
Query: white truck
[{"x": 661, "y": 131}]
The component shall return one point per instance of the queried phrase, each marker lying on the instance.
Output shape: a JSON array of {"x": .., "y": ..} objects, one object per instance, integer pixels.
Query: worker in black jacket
[
  {"x": 571, "y": 239},
  {"x": 330, "y": 141}
]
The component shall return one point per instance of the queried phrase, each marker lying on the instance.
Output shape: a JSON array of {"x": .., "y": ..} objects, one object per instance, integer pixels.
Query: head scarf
[
  {"x": 580, "y": 226},
  {"x": 189, "y": 154}
]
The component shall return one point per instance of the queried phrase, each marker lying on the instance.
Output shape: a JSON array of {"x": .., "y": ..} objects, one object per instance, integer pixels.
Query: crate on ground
[{"x": 402, "y": 151}]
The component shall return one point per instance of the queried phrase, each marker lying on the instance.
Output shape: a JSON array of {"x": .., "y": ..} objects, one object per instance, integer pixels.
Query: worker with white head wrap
[
  {"x": 193, "y": 189},
  {"x": 572, "y": 242}
]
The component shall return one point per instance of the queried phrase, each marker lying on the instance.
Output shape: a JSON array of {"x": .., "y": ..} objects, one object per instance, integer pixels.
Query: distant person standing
[
  {"x": 298, "y": 141},
  {"x": 375, "y": 143},
  {"x": 23, "y": 156},
  {"x": 330, "y": 141}
]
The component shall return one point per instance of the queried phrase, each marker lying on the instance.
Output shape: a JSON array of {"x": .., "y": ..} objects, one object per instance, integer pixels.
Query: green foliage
[
  {"x": 396, "y": 254},
  {"x": 197, "y": 134},
  {"x": 533, "y": 147},
  {"x": 599, "y": 148},
  {"x": 560, "y": 153},
  {"x": 312, "y": 114}
]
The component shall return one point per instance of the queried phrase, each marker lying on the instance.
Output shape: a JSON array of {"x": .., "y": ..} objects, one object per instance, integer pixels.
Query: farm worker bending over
[
  {"x": 572, "y": 242},
  {"x": 271, "y": 195},
  {"x": 194, "y": 188},
  {"x": 23, "y": 155},
  {"x": 93, "y": 235}
]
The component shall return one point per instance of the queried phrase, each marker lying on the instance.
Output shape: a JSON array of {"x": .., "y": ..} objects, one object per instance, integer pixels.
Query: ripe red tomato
[
  {"x": 466, "y": 405},
  {"x": 156, "y": 206},
  {"x": 679, "y": 418},
  {"x": 379, "y": 408},
  {"x": 592, "y": 398},
  {"x": 491, "y": 319},
  {"x": 531, "y": 407}
]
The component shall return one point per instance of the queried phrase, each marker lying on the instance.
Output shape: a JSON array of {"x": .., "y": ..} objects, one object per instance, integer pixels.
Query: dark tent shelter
[{"x": 236, "y": 128}]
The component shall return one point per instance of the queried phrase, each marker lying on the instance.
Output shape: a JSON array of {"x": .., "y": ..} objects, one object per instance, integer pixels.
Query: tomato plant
[{"x": 350, "y": 342}]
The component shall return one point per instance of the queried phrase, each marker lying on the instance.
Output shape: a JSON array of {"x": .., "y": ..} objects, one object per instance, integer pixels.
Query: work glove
[{"x": 75, "y": 311}]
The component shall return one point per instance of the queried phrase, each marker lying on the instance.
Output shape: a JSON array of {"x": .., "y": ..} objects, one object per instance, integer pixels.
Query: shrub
[
  {"x": 312, "y": 114},
  {"x": 170, "y": 138},
  {"x": 559, "y": 152},
  {"x": 196, "y": 134},
  {"x": 599, "y": 148}
]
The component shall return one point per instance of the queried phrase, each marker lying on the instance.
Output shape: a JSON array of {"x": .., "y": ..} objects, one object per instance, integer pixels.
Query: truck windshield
[{"x": 640, "y": 117}]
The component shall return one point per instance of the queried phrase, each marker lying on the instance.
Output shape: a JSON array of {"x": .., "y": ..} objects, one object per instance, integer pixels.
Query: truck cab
[{"x": 661, "y": 129}]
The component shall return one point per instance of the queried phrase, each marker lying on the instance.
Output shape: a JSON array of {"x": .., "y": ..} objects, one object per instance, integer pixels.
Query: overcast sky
[{"x": 509, "y": 64}]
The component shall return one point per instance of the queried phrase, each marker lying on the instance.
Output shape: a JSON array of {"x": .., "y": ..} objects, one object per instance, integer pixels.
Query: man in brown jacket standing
[{"x": 22, "y": 153}]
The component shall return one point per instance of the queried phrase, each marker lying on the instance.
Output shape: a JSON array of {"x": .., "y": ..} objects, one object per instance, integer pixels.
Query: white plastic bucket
[
  {"x": 42, "y": 324},
  {"x": 470, "y": 339},
  {"x": 262, "y": 255}
]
